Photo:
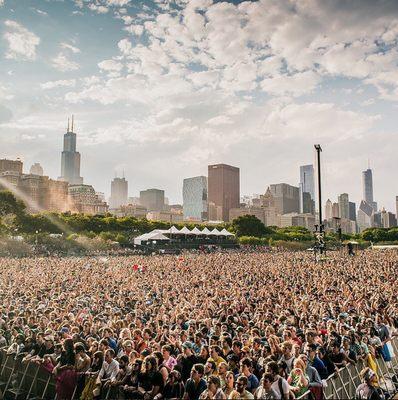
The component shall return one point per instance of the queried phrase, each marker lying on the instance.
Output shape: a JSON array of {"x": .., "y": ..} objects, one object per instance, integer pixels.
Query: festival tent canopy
[
  {"x": 186, "y": 231},
  {"x": 173, "y": 230},
  {"x": 150, "y": 236},
  {"x": 215, "y": 232},
  {"x": 205, "y": 231},
  {"x": 196, "y": 231},
  {"x": 224, "y": 232}
]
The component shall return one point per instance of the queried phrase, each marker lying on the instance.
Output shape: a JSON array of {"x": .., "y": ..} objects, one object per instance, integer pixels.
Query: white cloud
[
  {"x": 21, "y": 42},
  {"x": 118, "y": 3},
  {"x": 68, "y": 46},
  {"x": 59, "y": 83},
  {"x": 63, "y": 64},
  {"x": 317, "y": 121},
  {"x": 98, "y": 9},
  {"x": 110, "y": 65}
]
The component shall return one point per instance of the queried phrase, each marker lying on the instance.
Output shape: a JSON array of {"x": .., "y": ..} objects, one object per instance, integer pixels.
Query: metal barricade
[{"x": 24, "y": 380}]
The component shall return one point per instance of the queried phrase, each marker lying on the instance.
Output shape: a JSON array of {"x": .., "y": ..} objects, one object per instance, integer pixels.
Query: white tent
[
  {"x": 205, "y": 231},
  {"x": 215, "y": 232},
  {"x": 173, "y": 230},
  {"x": 196, "y": 231},
  {"x": 186, "y": 231},
  {"x": 224, "y": 232},
  {"x": 150, "y": 236}
]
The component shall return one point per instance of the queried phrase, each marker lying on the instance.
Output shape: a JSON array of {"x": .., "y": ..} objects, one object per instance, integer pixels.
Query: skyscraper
[
  {"x": 70, "y": 161},
  {"x": 152, "y": 199},
  {"x": 287, "y": 198},
  {"x": 306, "y": 186},
  {"x": 36, "y": 169},
  {"x": 194, "y": 194},
  {"x": 119, "y": 193},
  {"x": 328, "y": 210},
  {"x": 344, "y": 206},
  {"x": 223, "y": 190},
  {"x": 352, "y": 211},
  {"x": 367, "y": 186}
]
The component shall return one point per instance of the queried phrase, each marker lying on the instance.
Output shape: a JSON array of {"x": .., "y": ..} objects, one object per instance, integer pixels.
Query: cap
[{"x": 187, "y": 345}]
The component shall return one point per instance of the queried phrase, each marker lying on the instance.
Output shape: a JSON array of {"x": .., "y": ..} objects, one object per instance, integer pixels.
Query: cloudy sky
[{"x": 160, "y": 89}]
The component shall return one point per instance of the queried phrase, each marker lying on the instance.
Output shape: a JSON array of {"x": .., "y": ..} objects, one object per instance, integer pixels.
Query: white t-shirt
[{"x": 285, "y": 387}]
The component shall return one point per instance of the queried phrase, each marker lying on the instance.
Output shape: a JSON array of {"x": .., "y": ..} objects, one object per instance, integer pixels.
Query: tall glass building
[
  {"x": 367, "y": 186},
  {"x": 194, "y": 193},
  {"x": 307, "y": 203}
]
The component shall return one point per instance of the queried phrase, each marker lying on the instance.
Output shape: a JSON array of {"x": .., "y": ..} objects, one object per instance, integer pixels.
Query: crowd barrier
[{"x": 31, "y": 381}]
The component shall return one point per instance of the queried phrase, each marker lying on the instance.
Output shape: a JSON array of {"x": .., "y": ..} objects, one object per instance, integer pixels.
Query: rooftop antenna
[
  {"x": 72, "y": 122},
  {"x": 67, "y": 130},
  {"x": 368, "y": 163}
]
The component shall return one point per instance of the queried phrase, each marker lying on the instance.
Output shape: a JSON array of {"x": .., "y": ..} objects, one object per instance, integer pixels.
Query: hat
[
  {"x": 64, "y": 329},
  {"x": 187, "y": 345},
  {"x": 49, "y": 338}
]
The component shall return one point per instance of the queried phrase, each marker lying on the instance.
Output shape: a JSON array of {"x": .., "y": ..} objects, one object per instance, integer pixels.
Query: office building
[
  {"x": 36, "y": 169},
  {"x": 364, "y": 215},
  {"x": 286, "y": 198},
  {"x": 306, "y": 185},
  {"x": 271, "y": 217},
  {"x": 335, "y": 210},
  {"x": 11, "y": 166},
  {"x": 119, "y": 193},
  {"x": 388, "y": 219},
  {"x": 344, "y": 206},
  {"x": 352, "y": 211},
  {"x": 152, "y": 199},
  {"x": 84, "y": 200},
  {"x": 328, "y": 210},
  {"x": 296, "y": 219},
  {"x": 131, "y": 210},
  {"x": 164, "y": 216},
  {"x": 367, "y": 187},
  {"x": 70, "y": 159},
  {"x": 194, "y": 194},
  {"x": 223, "y": 191},
  {"x": 396, "y": 208}
]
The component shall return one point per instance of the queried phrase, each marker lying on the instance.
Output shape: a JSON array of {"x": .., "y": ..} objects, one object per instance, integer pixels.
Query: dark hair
[
  {"x": 273, "y": 366},
  {"x": 268, "y": 377},
  {"x": 213, "y": 364},
  {"x": 199, "y": 368},
  {"x": 247, "y": 361},
  {"x": 124, "y": 358},
  {"x": 111, "y": 352},
  {"x": 214, "y": 379}
]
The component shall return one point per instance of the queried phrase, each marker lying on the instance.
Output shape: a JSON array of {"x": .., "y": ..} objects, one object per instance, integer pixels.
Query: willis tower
[{"x": 70, "y": 161}]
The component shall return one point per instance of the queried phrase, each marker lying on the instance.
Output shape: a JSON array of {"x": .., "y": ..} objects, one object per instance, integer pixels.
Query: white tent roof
[
  {"x": 224, "y": 232},
  {"x": 186, "y": 231},
  {"x": 173, "y": 229},
  {"x": 205, "y": 231},
  {"x": 154, "y": 235},
  {"x": 196, "y": 231},
  {"x": 215, "y": 232}
]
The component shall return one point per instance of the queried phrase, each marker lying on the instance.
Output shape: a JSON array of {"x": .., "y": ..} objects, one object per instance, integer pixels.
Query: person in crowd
[
  {"x": 213, "y": 390},
  {"x": 195, "y": 385},
  {"x": 65, "y": 371},
  {"x": 368, "y": 389},
  {"x": 241, "y": 385},
  {"x": 265, "y": 391}
]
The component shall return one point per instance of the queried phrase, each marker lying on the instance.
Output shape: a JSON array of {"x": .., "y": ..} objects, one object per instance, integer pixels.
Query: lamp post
[{"x": 320, "y": 235}]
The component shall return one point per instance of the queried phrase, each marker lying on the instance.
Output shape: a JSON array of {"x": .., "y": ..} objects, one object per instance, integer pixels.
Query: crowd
[{"x": 200, "y": 326}]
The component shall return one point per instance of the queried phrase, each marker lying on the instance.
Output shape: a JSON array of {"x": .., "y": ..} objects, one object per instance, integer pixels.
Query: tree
[
  {"x": 9, "y": 204},
  {"x": 249, "y": 225}
]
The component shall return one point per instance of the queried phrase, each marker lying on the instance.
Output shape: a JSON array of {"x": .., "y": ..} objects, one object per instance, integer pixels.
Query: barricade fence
[{"x": 20, "y": 380}]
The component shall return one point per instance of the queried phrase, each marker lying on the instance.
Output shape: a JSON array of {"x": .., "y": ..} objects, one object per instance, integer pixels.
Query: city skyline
[{"x": 162, "y": 109}]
